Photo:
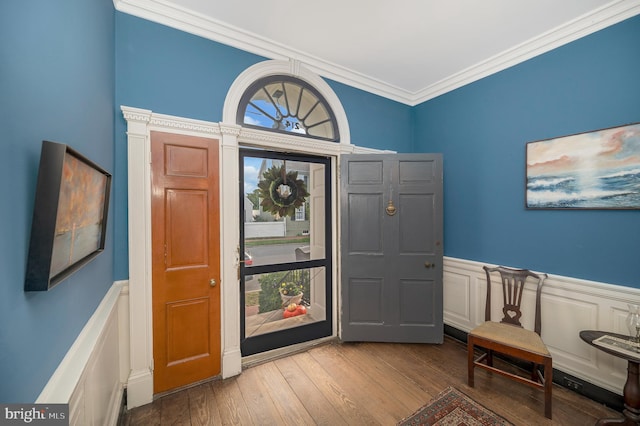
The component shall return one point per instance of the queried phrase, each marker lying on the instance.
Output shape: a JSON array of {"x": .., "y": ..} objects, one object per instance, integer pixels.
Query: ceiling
[{"x": 409, "y": 51}]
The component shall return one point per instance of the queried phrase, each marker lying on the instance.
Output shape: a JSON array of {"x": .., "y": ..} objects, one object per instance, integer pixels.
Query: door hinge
[{"x": 165, "y": 254}]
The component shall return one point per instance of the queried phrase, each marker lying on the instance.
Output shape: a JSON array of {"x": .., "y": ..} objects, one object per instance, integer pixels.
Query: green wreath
[{"x": 281, "y": 204}]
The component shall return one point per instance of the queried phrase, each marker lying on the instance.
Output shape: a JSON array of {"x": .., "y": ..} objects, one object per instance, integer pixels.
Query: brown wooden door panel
[
  {"x": 186, "y": 161},
  {"x": 185, "y": 285},
  {"x": 184, "y": 340},
  {"x": 186, "y": 257},
  {"x": 186, "y": 228}
]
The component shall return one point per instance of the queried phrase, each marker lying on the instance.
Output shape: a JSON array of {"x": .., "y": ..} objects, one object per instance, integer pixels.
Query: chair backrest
[{"x": 513, "y": 281}]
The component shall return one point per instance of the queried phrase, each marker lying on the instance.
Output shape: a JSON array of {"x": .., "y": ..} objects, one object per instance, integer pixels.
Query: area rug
[{"x": 452, "y": 407}]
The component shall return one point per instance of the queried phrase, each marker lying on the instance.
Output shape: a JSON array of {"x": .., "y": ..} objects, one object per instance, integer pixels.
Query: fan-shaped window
[{"x": 286, "y": 104}]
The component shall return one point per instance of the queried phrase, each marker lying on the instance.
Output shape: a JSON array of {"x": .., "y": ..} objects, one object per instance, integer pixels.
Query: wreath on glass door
[{"x": 281, "y": 192}]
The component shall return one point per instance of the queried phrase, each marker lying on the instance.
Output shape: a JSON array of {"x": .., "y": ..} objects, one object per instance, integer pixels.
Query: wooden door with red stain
[{"x": 185, "y": 259}]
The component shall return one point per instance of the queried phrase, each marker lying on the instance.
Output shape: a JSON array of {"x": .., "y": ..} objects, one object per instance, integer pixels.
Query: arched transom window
[{"x": 286, "y": 104}]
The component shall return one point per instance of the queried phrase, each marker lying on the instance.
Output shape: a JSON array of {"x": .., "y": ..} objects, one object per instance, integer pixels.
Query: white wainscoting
[
  {"x": 91, "y": 376},
  {"x": 569, "y": 305}
]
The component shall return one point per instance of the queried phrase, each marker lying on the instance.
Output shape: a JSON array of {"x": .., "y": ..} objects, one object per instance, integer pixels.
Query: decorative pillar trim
[
  {"x": 229, "y": 214},
  {"x": 140, "y": 380}
]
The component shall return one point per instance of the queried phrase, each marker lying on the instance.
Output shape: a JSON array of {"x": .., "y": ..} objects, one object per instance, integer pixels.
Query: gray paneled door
[{"x": 391, "y": 260}]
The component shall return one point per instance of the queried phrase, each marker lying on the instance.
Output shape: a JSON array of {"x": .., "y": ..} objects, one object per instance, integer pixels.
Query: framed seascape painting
[{"x": 593, "y": 170}]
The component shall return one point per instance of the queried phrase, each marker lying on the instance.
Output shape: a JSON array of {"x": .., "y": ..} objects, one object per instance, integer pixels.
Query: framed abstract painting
[
  {"x": 593, "y": 170},
  {"x": 69, "y": 224}
]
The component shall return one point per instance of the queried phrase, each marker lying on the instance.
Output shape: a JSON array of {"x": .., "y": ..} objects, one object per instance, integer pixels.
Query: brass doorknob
[
  {"x": 429, "y": 265},
  {"x": 212, "y": 282}
]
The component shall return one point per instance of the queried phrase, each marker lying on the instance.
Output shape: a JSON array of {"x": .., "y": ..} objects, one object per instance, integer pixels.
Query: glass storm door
[{"x": 285, "y": 247}]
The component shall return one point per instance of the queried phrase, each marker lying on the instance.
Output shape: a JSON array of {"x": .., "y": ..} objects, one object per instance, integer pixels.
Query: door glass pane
[
  {"x": 286, "y": 104},
  {"x": 284, "y": 246},
  {"x": 283, "y": 211},
  {"x": 281, "y": 300}
]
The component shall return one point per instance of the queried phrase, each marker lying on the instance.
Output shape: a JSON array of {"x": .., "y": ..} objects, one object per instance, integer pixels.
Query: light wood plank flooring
[{"x": 357, "y": 384}]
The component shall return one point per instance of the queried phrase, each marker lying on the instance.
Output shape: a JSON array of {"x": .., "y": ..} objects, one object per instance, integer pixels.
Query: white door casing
[{"x": 140, "y": 123}]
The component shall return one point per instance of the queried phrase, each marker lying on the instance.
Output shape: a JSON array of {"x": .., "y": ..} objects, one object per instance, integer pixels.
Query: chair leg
[
  {"x": 548, "y": 386},
  {"x": 470, "y": 364},
  {"x": 489, "y": 357}
]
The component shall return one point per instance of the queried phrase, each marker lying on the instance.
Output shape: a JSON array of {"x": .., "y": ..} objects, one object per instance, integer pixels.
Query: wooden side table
[{"x": 631, "y": 391}]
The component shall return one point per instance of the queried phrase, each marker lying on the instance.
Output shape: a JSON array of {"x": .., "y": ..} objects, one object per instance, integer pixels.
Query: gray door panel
[{"x": 391, "y": 263}]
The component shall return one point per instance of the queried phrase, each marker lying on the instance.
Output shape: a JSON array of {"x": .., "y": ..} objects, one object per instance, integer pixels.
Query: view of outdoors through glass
[
  {"x": 288, "y": 105},
  {"x": 284, "y": 224},
  {"x": 268, "y": 309}
]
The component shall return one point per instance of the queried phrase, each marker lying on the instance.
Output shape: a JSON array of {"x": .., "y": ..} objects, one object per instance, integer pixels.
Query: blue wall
[
  {"x": 172, "y": 72},
  {"x": 63, "y": 63},
  {"x": 56, "y": 83},
  {"x": 482, "y": 130},
  {"x": 376, "y": 122}
]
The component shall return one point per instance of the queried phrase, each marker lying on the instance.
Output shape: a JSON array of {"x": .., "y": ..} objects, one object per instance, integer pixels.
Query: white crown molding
[
  {"x": 167, "y": 13},
  {"x": 582, "y": 26}
]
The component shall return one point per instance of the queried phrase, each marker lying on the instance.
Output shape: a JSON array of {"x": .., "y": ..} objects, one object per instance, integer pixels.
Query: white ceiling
[{"x": 409, "y": 50}]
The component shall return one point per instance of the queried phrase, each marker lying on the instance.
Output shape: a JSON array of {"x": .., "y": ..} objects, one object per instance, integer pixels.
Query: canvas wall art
[
  {"x": 69, "y": 216},
  {"x": 593, "y": 170}
]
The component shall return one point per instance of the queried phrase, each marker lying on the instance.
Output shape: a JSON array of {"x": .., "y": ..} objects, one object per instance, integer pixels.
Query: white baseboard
[
  {"x": 569, "y": 305},
  {"x": 139, "y": 389},
  {"x": 231, "y": 363},
  {"x": 88, "y": 378}
]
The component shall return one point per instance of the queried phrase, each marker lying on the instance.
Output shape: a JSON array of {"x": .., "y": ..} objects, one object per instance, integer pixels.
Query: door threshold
[
  {"x": 251, "y": 360},
  {"x": 185, "y": 387}
]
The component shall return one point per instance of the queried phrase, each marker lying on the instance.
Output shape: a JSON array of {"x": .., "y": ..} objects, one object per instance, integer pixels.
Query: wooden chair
[{"x": 508, "y": 337}]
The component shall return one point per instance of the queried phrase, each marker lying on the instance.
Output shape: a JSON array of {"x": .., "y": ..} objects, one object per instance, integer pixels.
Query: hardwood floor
[{"x": 358, "y": 384}]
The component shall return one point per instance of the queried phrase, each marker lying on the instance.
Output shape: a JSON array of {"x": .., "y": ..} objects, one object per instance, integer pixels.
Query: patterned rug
[{"x": 452, "y": 407}]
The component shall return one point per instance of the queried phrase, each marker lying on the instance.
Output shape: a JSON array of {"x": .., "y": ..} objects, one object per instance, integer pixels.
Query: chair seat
[{"x": 511, "y": 335}]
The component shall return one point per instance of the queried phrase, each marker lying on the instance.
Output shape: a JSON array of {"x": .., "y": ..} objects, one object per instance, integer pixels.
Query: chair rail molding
[{"x": 569, "y": 305}]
